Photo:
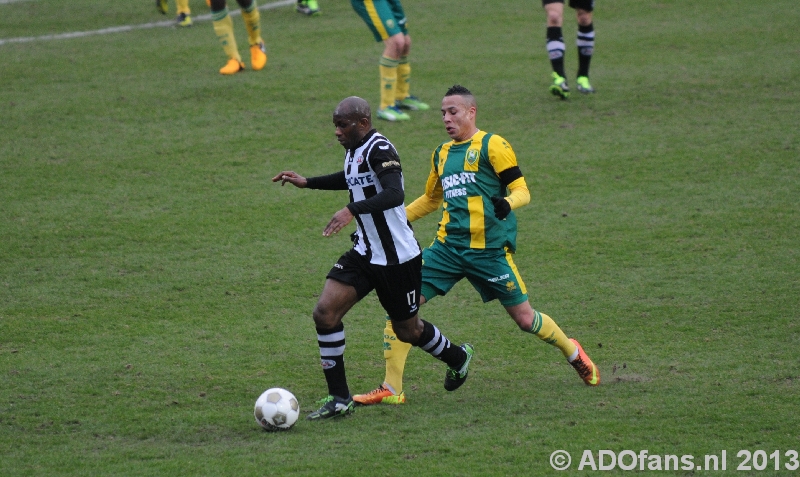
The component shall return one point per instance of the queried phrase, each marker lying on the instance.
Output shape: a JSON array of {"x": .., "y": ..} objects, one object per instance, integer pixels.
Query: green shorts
[
  {"x": 490, "y": 271},
  {"x": 384, "y": 18}
]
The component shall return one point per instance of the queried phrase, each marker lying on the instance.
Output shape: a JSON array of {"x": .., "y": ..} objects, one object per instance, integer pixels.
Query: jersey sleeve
[
  {"x": 504, "y": 161},
  {"x": 383, "y": 158},
  {"x": 432, "y": 198},
  {"x": 520, "y": 195},
  {"x": 335, "y": 181},
  {"x": 501, "y": 155}
]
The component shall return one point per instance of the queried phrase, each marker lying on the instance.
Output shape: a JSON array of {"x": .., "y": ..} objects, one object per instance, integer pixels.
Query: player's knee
[
  {"x": 404, "y": 336},
  {"x": 584, "y": 18},
  {"x": 408, "y": 331},
  {"x": 325, "y": 317},
  {"x": 524, "y": 322},
  {"x": 522, "y": 315},
  {"x": 395, "y": 45},
  {"x": 554, "y": 19}
]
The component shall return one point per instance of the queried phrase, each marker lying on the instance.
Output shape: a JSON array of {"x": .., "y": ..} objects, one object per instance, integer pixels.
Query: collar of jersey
[
  {"x": 364, "y": 139},
  {"x": 455, "y": 143}
]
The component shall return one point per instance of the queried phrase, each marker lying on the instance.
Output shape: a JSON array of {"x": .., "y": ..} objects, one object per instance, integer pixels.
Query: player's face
[
  {"x": 458, "y": 117},
  {"x": 347, "y": 131}
]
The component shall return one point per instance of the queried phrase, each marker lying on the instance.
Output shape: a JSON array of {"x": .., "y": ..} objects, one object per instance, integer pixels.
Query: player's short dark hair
[
  {"x": 458, "y": 90},
  {"x": 466, "y": 95}
]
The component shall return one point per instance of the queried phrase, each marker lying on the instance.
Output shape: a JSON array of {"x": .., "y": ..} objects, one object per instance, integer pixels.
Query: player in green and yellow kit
[
  {"x": 223, "y": 27},
  {"x": 476, "y": 181},
  {"x": 387, "y": 22},
  {"x": 184, "y": 18}
]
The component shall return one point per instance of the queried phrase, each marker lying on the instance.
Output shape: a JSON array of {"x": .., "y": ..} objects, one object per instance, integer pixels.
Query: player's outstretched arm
[{"x": 291, "y": 177}]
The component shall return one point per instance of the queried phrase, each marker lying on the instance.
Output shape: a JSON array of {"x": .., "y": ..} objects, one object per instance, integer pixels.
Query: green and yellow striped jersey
[{"x": 464, "y": 177}]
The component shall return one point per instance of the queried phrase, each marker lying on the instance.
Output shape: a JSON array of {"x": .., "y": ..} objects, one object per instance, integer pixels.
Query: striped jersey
[
  {"x": 384, "y": 237},
  {"x": 465, "y": 175}
]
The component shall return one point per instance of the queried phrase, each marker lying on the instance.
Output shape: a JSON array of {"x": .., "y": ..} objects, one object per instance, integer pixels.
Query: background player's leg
[
  {"x": 555, "y": 48},
  {"x": 252, "y": 22},
  {"x": 223, "y": 27},
  {"x": 404, "y": 99},
  {"x": 184, "y": 18},
  {"x": 392, "y": 51},
  {"x": 585, "y": 43}
]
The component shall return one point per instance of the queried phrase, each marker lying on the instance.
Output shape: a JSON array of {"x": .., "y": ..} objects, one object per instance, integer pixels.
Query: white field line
[
  {"x": 6, "y": 2},
  {"x": 124, "y": 28}
]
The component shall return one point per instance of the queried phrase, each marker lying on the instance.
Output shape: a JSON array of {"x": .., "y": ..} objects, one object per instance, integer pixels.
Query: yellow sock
[
  {"x": 388, "y": 70},
  {"x": 403, "y": 78},
  {"x": 252, "y": 21},
  {"x": 183, "y": 6},
  {"x": 395, "y": 352},
  {"x": 223, "y": 27},
  {"x": 548, "y": 331}
]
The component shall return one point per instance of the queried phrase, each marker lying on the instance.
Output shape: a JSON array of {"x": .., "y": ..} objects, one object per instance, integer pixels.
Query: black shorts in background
[{"x": 587, "y": 5}]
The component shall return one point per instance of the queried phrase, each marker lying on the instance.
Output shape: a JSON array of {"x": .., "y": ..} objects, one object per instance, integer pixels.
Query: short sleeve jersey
[
  {"x": 465, "y": 175},
  {"x": 384, "y": 237}
]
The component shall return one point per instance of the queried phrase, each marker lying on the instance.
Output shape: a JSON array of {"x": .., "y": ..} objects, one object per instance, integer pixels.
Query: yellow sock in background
[
  {"x": 548, "y": 331},
  {"x": 395, "y": 352},
  {"x": 252, "y": 21},
  {"x": 183, "y": 6},
  {"x": 388, "y": 71},
  {"x": 223, "y": 27},
  {"x": 403, "y": 79}
]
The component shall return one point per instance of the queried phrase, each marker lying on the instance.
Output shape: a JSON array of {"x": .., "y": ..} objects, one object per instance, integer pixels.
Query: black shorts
[
  {"x": 587, "y": 5},
  {"x": 397, "y": 286}
]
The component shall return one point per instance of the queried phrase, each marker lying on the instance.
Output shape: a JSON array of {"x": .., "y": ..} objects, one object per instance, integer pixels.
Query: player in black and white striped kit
[
  {"x": 383, "y": 236},
  {"x": 385, "y": 256}
]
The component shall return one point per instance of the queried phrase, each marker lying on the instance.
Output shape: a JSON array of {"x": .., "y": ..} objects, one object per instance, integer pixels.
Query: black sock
[
  {"x": 555, "y": 49},
  {"x": 331, "y": 352},
  {"x": 438, "y": 346},
  {"x": 585, "y": 48}
]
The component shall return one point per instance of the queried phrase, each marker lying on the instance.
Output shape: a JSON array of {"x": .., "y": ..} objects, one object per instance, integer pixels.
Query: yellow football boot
[
  {"x": 183, "y": 20},
  {"x": 232, "y": 67},
  {"x": 258, "y": 56}
]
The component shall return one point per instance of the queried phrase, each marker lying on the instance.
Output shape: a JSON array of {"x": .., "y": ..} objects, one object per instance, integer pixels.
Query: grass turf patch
[{"x": 153, "y": 282}]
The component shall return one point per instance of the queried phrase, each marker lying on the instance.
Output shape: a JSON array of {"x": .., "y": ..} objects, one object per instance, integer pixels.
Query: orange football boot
[
  {"x": 585, "y": 367},
  {"x": 380, "y": 396}
]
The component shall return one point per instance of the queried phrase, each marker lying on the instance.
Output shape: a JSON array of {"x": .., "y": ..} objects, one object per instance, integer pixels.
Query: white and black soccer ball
[{"x": 276, "y": 409}]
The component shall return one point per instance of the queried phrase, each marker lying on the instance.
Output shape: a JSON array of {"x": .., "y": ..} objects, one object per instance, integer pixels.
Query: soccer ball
[{"x": 276, "y": 409}]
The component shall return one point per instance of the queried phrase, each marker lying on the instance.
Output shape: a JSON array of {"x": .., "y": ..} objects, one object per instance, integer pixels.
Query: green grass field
[{"x": 153, "y": 281}]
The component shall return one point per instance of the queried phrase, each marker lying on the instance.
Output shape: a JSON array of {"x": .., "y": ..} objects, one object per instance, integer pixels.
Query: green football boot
[
  {"x": 583, "y": 85},
  {"x": 559, "y": 87},
  {"x": 453, "y": 379},
  {"x": 412, "y": 103},
  {"x": 332, "y": 406}
]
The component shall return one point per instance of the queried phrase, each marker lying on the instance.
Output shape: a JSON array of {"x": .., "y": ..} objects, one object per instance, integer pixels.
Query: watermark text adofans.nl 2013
[{"x": 744, "y": 460}]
